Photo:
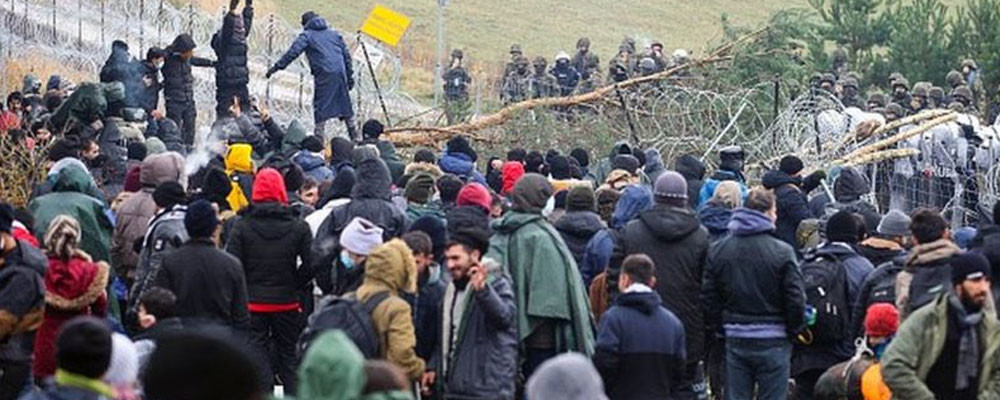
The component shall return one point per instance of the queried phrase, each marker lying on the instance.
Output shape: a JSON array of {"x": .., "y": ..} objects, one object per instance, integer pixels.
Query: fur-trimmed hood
[{"x": 75, "y": 284}]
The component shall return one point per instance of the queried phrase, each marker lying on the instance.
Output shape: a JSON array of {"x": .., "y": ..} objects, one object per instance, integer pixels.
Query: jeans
[
  {"x": 275, "y": 336},
  {"x": 760, "y": 363},
  {"x": 352, "y": 129}
]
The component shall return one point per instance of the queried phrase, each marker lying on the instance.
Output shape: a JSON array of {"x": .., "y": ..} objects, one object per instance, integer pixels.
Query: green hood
[
  {"x": 294, "y": 135},
  {"x": 513, "y": 221},
  {"x": 74, "y": 179},
  {"x": 387, "y": 151},
  {"x": 333, "y": 369}
]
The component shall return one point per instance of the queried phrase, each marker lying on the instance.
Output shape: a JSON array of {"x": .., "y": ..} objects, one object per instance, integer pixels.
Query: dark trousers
[
  {"x": 352, "y": 129},
  {"x": 275, "y": 335},
  {"x": 760, "y": 363},
  {"x": 717, "y": 366},
  {"x": 805, "y": 383},
  {"x": 184, "y": 115},
  {"x": 14, "y": 379}
]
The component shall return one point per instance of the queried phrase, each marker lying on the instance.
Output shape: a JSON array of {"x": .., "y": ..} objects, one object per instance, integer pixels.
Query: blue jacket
[
  {"x": 708, "y": 188},
  {"x": 314, "y": 166},
  {"x": 715, "y": 218},
  {"x": 461, "y": 165},
  {"x": 634, "y": 199},
  {"x": 640, "y": 349},
  {"x": 331, "y": 67},
  {"x": 597, "y": 255}
]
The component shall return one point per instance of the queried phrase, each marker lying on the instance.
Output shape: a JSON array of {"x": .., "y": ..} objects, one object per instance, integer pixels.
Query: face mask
[
  {"x": 158, "y": 65},
  {"x": 346, "y": 260}
]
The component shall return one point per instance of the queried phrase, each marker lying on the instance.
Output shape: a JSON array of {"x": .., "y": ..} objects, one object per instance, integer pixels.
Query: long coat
[{"x": 331, "y": 68}]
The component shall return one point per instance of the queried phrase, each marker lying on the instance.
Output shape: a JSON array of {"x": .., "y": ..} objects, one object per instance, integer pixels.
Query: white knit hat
[
  {"x": 124, "y": 368},
  {"x": 361, "y": 236}
]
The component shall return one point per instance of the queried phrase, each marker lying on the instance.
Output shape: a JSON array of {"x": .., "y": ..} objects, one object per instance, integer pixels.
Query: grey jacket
[
  {"x": 166, "y": 233},
  {"x": 482, "y": 363}
]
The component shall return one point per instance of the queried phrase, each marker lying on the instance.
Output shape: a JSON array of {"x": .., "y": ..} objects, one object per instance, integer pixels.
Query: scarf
[
  {"x": 968, "y": 347},
  {"x": 69, "y": 379}
]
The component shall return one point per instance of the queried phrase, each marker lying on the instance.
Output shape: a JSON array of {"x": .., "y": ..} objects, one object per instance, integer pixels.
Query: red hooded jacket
[
  {"x": 511, "y": 172},
  {"x": 269, "y": 186}
]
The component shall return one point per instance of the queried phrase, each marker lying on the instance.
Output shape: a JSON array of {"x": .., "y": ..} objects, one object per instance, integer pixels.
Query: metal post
[
  {"x": 102, "y": 22},
  {"x": 378, "y": 91},
  {"x": 777, "y": 105},
  {"x": 302, "y": 79},
  {"x": 55, "y": 37},
  {"x": 190, "y": 27},
  {"x": 142, "y": 26},
  {"x": 270, "y": 51},
  {"x": 439, "y": 68},
  {"x": 628, "y": 116},
  {"x": 79, "y": 24},
  {"x": 159, "y": 25}
]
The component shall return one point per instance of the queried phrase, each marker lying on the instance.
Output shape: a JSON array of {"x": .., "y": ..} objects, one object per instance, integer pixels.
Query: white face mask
[{"x": 158, "y": 64}]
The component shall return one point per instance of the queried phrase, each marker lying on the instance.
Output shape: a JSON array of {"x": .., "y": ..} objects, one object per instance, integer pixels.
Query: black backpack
[
  {"x": 825, "y": 281},
  {"x": 347, "y": 314}
]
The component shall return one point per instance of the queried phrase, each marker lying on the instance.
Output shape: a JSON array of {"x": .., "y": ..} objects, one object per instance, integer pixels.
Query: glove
[
  {"x": 968, "y": 131},
  {"x": 249, "y": 3},
  {"x": 350, "y": 85},
  {"x": 270, "y": 72},
  {"x": 233, "y": 4},
  {"x": 813, "y": 180}
]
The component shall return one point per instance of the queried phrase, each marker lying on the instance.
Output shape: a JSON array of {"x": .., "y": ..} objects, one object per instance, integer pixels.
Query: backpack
[
  {"x": 349, "y": 315},
  {"x": 825, "y": 281}
]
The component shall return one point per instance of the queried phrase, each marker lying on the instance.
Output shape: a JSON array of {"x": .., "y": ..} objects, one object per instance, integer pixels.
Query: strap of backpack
[{"x": 372, "y": 303}]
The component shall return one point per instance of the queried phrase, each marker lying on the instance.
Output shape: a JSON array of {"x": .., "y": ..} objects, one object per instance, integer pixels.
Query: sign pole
[{"x": 371, "y": 70}]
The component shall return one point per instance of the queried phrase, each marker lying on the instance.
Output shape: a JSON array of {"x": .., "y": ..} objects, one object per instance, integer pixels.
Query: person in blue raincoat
[{"x": 332, "y": 72}]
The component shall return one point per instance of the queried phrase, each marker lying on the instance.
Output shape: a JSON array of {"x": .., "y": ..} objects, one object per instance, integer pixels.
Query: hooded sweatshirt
[
  {"x": 511, "y": 172},
  {"x": 134, "y": 214},
  {"x": 332, "y": 369},
  {"x": 239, "y": 168},
  {"x": 391, "y": 268}
]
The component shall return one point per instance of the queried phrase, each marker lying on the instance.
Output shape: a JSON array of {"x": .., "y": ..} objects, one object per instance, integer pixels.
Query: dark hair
[
  {"x": 309, "y": 183},
  {"x": 204, "y": 364},
  {"x": 424, "y": 155},
  {"x": 517, "y": 155},
  {"x": 158, "y": 302},
  {"x": 154, "y": 53},
  {"x": 448, "y": 187},
  {"x": 419, "y": 242},
  {"x": 639, "y": 267},
  {"x": 15, "y": 96},
  {"x": 759, "y": 200},
  {"x": 927, "y": 225},
  {"x": 383, "y": 376}
]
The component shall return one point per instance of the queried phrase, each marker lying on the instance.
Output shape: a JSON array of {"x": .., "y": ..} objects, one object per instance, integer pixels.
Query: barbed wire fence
[{"x": 77, "y": 35}]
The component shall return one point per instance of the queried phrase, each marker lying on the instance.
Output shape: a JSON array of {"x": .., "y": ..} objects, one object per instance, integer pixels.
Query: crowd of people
[{"x": 339, "y": 269}]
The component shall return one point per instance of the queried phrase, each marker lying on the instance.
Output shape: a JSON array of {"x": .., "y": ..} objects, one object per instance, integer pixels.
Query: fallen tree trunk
[{"x": 422, "y": 135}]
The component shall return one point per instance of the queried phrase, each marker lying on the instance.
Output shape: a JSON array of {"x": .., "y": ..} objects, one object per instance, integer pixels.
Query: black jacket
[
  {"x": 753, "y": 278},
  {"x": 878, "y": 287},
  {"x": 693, "y": 171},
  {"x": 22, "y": 296},
  {"x": 230, "y": 45},
  {"x": 792, "y": 203},
  {"x": 427, "y": 314},
  {"x": 640, "y": 349},
  {"x": 678, "y": 244},
  {"x": 149, "y": 95},
  {"x": 268, "y": 239},
  {"x": 370, "y": 199},
  {"x": 208, "y": 283},
  {"x": 178, "y": 83},
  {"x": 576, "y": 229}
]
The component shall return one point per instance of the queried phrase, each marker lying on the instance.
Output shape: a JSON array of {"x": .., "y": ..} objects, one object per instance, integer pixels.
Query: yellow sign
[{"x": 386, "y": 25}]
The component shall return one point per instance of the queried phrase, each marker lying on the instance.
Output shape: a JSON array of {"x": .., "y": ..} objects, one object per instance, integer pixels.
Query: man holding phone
[{"x": 478, "y": 357}]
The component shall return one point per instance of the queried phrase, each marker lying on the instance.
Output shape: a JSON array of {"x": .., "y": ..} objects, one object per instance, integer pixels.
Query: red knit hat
[
  {"x": 881, "y": 320},
  {"x": 269, "y": 186},
  {"x": 474, "y": 194}
]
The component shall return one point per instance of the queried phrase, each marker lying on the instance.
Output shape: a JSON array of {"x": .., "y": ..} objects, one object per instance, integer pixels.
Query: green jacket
[
  {"x": 332, "y": 369},
  {"x": 919, "y": 342},
  {"x": 547, "y": 283},
  {"x": 415, "y": 211},
  {"x": 70, "y": 197}
]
